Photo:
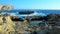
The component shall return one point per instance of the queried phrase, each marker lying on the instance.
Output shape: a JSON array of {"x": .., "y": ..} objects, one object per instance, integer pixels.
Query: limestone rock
[{"x": 6, "y": 7}]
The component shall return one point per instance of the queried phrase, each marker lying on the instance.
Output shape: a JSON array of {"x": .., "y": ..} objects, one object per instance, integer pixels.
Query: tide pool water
[{"x": 35, "y": 22}]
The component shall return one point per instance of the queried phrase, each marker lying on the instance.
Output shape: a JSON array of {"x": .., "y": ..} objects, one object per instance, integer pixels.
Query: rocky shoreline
[{"x": 50, "y": 25}]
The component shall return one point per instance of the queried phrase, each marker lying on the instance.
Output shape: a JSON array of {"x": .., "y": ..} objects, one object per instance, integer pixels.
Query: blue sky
[{"x": 33, "y": 4}]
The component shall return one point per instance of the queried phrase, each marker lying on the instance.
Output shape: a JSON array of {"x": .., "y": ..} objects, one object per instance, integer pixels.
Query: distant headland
[{"x": 6, "y": 7}]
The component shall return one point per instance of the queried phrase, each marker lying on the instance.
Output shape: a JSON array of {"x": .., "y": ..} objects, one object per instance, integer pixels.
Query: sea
[{"x": 38, "y": 11}]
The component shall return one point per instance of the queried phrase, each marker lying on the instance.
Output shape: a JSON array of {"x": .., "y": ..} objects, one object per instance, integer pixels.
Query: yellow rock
[{"x": 7, "y": 27}]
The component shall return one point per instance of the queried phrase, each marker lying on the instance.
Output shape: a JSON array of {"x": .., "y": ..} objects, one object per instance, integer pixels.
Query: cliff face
[{"x": 6, "y": 7}]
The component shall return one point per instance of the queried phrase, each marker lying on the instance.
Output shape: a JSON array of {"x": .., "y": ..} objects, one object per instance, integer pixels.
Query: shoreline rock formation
[{"x": 6, "y": 7}]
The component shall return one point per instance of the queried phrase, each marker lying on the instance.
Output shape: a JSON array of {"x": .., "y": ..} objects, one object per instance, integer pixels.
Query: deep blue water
[
  {"x": 46, "y": 12},
  {"x": 43, "y": 11},
  {"x": 49, "y": 11}
]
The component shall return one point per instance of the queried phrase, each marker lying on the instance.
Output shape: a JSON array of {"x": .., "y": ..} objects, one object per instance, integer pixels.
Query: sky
[{"x": 33, "y": 4}]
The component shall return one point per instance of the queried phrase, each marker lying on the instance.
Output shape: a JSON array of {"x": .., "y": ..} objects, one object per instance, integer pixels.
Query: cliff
[{"x": 6, "y": 7}]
